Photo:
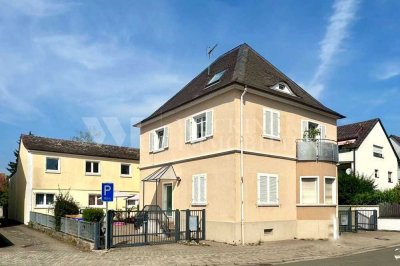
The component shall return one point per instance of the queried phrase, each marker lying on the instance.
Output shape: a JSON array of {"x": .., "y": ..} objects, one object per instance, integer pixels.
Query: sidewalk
[{"x": 35, "y": 248}]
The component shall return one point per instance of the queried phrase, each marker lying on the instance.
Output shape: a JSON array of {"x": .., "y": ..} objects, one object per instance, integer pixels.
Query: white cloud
[
  {"x": 388, "y": 71},
  {"x": 344, "y": 12},
  {"x": 40, "y": 8},
  {"x": 79, "y": 49}
]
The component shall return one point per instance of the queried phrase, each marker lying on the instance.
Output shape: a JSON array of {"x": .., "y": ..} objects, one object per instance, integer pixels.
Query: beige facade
[
  {"x": 32, "y": 183},
  {"x": 218, "y": 159}
]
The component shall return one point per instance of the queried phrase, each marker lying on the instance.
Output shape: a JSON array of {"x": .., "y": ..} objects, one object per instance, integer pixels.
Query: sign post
[{"x": 107, "y": 195}]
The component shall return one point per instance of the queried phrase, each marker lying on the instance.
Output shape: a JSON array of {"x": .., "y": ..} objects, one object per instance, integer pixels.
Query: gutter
[{"x": 242, "y": 167}]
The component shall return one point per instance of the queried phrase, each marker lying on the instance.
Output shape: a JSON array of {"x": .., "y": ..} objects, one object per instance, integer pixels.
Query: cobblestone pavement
[{"x": 34, "y": 248}]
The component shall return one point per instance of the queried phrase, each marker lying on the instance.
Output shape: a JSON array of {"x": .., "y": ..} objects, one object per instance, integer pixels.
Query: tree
[
  {"x": 83, "y": 136},
  {"x": 64, "y": 205},
  {"x": 354, "y": 188}
]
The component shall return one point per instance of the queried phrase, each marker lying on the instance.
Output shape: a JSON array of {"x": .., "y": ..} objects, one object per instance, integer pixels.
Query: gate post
[
  {"x": 109, "y": 228},
  {"x": 177, "y": 225},
  {"x": 356, "y": 217},
  {"x": 203, "y": 224},
  {"x": 146, "y": 228},
  {"x": 187, "y": 225},
  {"x": 375, "y": 220},
  {"x": 96, "y": 235}
]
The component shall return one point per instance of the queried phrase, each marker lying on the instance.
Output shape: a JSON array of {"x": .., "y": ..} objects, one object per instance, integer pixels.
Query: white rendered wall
[{"x": 366, "y": 163}]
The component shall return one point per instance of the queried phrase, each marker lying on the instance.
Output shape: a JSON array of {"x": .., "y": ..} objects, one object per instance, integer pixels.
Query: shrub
[
  {"x": 64, "y": 205},
  {"x": 92, "y": 214},
  {"x": 352, "y": 185}
]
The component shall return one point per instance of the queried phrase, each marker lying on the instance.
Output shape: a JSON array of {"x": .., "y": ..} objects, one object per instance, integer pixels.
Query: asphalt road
[{"x": 383, "y": 257}]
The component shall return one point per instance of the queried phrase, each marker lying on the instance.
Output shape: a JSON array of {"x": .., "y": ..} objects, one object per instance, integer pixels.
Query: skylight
[
  {"x": 282, "y": 87},
  {"x": 216, "y": 78}
]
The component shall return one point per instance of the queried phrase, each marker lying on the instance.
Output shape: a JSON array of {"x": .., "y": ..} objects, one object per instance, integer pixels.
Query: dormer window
[
  {"x": 282, "y": 87},
  {"x": 217, "y": 77}
]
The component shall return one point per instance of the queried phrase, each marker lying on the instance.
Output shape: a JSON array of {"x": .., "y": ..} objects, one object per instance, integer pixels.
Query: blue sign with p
[{"x": 107, "y": 192}]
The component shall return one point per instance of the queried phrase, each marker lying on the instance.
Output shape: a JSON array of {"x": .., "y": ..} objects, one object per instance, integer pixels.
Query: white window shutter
[
  {"x": 262, "y": 189},
  {"x": 195, "y": 194},
  {"x": 273, "y": 189},
  {"x": 304, "y": 127},
  {"x": 165, "y": 137},
  {"x": 151, "y": 141},
  {"x": 275, "y": 124},
  {"x": 188, "y": 130},
  {"x": 202, "y": 189},
  {"x": 267, "y": 122},
  {"x": 209, "y": 123},
  {"x": 322, "y": 129}
]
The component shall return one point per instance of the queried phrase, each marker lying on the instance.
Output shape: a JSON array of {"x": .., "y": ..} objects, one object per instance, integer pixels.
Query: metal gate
[
  {"x": 354, "y": 220},
  {"x": 152, "y": 225}
]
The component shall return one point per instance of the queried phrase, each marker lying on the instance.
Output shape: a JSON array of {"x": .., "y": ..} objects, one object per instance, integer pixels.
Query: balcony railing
[{"x": 317, "y": 150}]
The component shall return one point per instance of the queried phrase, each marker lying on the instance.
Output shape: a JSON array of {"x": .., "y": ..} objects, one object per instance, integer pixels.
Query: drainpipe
[{"x": 242, "y": 166}]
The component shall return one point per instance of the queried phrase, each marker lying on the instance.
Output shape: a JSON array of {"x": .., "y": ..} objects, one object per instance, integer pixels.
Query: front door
[{"x": 167, "y": 199}]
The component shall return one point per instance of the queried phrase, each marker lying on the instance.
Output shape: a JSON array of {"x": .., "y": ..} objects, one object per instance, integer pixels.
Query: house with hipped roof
[
  {"x": 365, "y": 148},
  {"x": 245, "y": 142},
  {"x": 48, "y": 166}
]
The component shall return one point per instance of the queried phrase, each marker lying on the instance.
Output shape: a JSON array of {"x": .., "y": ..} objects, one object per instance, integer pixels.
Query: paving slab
[{"x": 33, "y": 247}]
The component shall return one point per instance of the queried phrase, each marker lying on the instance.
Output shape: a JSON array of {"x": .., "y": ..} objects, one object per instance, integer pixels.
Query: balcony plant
[{"x": 311, "y": 134}]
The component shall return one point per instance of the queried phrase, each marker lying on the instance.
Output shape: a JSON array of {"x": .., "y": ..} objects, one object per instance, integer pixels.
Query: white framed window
[
  {"x": 271, "y": 123},
  {"x": 330, "y": 190},
  {"x": 125, "y": 169},
  {"x": 131, "y": 202},
  {"x": 390, "y": 177},
  {"x": 95, "y": 200},
  {"x": 53, "y": 165},
  {"x": 309, "y": 127},
  {"x": 267, "y": 189},
  {"x": 159, "y": 139},
  {"x": 378, "y": 151},
  {"x": 92, "y": 168},
  {"x": 44, "y": 200},
  {"x": 309, "y": 190},
  {"x": 199, "y": 127},
  {"x": 199, "y": 189}
]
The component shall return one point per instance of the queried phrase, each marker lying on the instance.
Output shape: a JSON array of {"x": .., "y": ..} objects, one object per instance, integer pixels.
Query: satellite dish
[{"x": 348, "y": 171}]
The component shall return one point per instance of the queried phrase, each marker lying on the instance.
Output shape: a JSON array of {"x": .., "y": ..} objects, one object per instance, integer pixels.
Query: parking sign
[{"x": 107, "y": 192}]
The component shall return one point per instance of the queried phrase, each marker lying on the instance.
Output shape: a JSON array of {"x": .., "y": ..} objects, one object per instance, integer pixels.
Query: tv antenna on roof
[{"x": 209, "y": 51}]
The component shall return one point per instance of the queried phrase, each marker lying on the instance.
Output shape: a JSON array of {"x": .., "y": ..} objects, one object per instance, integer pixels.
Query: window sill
[
  {"x": 157, "y": 151},
  {"x": 272, "y": 137},
  {"x": 316, "y": 205},
  {"x": 126, "y": 176},
  {"x": 268, "y": 205},
  {"x": 52, "y": 172},
  {"x": 91, "y": 174},
  {"x": 44, "y": 207},
  {"x": 198, "y": 140},
  {"x": 199, "y": 204}
]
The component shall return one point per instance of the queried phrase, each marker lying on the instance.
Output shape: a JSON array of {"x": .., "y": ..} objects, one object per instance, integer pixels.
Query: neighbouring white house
[
  {"x": 365, "y": 148},
  {"x": 396, "y": 145}
]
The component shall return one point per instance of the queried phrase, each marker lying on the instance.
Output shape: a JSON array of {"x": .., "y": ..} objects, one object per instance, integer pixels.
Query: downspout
[
  {"x": 242, "y": 166},
  {"x": 354, "y": 161}
]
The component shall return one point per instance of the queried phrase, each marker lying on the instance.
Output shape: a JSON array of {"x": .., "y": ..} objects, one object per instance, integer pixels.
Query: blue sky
[{"x": 104, "y": 65}]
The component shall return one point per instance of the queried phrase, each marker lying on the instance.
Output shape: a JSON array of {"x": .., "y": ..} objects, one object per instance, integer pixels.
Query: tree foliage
[
  {"x": 64, "y": 205},
  {"x": 83, "y": 136},
  {"x": 350, "y": 186}
]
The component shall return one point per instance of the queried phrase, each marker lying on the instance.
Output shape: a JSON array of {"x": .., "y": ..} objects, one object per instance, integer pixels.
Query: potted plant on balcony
[{"x": 311, "y": 134}]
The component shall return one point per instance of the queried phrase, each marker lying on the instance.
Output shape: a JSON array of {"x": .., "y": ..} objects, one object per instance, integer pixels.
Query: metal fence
[
  {"x": 354, "y": 220},
  {"x": 317, "y": 150},
  {"x": 85, "y": 230},
  {"x": 152, "y": 225},
  {"x": 389, "y": 210}
]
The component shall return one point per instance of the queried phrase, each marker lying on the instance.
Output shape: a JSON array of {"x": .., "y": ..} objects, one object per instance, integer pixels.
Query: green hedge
[
  {"x": 64, "y": 205},
  {"x": 92, "y": 214}
]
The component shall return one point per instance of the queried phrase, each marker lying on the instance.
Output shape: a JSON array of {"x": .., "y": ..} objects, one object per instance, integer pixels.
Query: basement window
[{"x": 217, "y": 77}]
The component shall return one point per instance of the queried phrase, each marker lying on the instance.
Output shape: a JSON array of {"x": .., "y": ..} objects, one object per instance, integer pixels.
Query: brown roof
[
  {"x": 395, "y": 138},
  {"x": 244, "y": 66},
  {"x": 80, "y": 148},
  {"x": 358, "y": 131}
]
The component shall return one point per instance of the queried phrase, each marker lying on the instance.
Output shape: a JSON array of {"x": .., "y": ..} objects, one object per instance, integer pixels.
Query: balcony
[{"x": 317, "y": 150}]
